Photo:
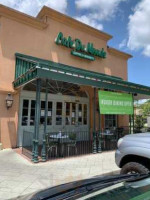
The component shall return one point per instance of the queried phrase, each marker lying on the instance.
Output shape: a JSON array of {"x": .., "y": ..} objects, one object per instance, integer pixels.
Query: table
[
  {"x": 59, "y": 136},
  {"x": 106, "y": 133}
]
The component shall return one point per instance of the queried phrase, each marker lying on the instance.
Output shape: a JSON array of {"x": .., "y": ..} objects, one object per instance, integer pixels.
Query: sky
[{"x": 128, "y": 21}]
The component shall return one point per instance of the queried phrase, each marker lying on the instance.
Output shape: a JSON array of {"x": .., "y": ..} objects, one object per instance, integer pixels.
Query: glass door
[
  {"x": 58, "y": 121},
  {"x": 64, "y": 114}
]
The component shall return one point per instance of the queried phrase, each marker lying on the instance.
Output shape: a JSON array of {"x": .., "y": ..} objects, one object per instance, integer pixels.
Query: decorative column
[
  {"x": 33, "y": 140},
  {"x": 133, "y": 116},
  {"x": 94, "y": 123},
  {"x": 45, "y": 124},
  {"x": 37, "y": 119},
  {"x": 130, "y": 122},
  {"x": 99, "y": 150}
]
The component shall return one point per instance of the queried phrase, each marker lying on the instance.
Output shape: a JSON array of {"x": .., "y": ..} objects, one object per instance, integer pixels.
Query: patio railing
[
  {"x": 27, "y": 143},
  {"x": 66, "y": 144},
  {"x": 107, "y": 138}
]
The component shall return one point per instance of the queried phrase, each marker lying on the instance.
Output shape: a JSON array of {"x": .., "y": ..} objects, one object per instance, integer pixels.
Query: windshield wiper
[{"x": 77, "y": 189}]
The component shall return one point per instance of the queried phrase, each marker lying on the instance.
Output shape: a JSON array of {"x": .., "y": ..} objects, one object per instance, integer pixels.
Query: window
[
  {"x": 59, "y": 113},
  {"x": 73, "y": 116},
  {"x": 68, "y": 120},
  {"x": 32, "y": 113},
  {"x": 49, "y": 114},
  {"x": 25, "y": 112},
  {"x": 85, "y": 115},
  {"x": 110, "y": 121},
  {"x": 80, "y": 114}
]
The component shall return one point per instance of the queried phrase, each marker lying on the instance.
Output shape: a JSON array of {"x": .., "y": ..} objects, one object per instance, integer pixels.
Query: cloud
[
  {"x": 85, "y": 19},
  {"x": 123, "y": 43},
  {"x": 32, "y": 7},
  {"x": 97, "y": 11},
  {"x": 139, "y": 28}
]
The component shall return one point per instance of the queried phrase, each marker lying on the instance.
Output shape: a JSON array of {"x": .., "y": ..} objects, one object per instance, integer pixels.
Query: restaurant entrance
[
  {"x": 53, "y": 99},
  {"x": 68, "y": 109}
]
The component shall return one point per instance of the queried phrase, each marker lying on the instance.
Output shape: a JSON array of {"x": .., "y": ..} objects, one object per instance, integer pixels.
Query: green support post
[
  {"x": 37, "y": 120},
  {"x": 33, "y": 147},
  {"x": 45, "y": 124},
  {"x": 133, "y": 115},
  {"x": 99, "y": 134},
  {"x": 130, "y": 122},
  {"x": 33, "y": 141},
  {"x": 133, "y": 123},
  {"x": 94, "y": 123}
]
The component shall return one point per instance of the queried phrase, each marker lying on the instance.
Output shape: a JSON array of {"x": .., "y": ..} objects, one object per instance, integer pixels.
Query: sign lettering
[
  {"x": 84, "y": 51},
  {"x": 115, "y": 103}
]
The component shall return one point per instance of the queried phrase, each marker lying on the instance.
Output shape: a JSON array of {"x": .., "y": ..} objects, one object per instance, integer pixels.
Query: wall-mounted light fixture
[{"x": 9, "y": 101}]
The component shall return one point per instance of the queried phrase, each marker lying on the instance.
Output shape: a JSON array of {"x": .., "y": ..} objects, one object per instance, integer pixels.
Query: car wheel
[{"x": 134, "y": 168}]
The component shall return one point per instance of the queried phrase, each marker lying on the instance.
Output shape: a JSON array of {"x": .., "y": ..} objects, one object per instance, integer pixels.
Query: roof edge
[
  {"x": 21, "y": 17},
  {"x": 32, "y": 58},
  {"x": 117, "y": 52},
  {"x": 53, "y": 14},
  {"x": 117, "y": 84}
]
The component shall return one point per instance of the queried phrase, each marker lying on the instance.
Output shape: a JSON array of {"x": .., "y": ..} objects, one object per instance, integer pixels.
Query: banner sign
[
  {"x": 79, "y": 49},
  {"x": 115, "y": 103}
]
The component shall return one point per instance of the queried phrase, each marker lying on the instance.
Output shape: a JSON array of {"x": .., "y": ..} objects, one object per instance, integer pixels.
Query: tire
[{"x": 134, "y": 167}]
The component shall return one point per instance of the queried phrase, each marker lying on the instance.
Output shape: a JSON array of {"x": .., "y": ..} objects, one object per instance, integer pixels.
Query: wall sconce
[{"x": 9, "y": 101}]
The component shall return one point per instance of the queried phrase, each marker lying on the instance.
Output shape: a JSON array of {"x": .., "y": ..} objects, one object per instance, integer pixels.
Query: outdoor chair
[
  {"x": 72, "y": 143},
  {"x": 50, "y": 145}
]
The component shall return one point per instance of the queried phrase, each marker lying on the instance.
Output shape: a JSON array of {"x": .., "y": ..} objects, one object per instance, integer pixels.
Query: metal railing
[
  {"x": 107, "y": 138},
  {"x": 70, "y": 143},
  {"x": 66, "y": 144},
  {"x": 27, "y": 143}
]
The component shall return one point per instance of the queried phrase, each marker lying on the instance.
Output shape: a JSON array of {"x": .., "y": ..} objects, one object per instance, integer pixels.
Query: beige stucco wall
[
  {"x": 21, "y": 38},
  {"x": 40, "y": 43},
  {"x": 8, "y": 121}
]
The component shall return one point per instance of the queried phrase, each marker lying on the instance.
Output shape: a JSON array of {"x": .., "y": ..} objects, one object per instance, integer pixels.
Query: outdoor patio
[
  {"x": 109, "y": 95},
  {"x": 69, "y": 144}
]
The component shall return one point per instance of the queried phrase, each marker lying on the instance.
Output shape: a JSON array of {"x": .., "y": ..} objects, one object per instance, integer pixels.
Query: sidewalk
[{"x": 19, "y": 177}]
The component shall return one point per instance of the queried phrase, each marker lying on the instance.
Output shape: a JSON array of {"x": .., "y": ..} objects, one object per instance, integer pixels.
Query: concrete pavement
[{"x": 19, "y": 177}]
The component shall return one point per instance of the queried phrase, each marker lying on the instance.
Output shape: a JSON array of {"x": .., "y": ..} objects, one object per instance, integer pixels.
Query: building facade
[{"x": 54, "y": 37}]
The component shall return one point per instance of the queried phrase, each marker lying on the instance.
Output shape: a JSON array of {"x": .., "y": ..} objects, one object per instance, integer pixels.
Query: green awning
[{"x": 29, "y": 68}]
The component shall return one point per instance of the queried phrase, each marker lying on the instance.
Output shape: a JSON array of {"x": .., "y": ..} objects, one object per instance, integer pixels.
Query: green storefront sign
[
  {"x": 115, "y": 103},
  {"x": 79, "y": 49}
]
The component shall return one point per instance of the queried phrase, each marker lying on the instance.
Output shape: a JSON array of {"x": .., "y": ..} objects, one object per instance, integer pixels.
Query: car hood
[
  {"x": 147, "y": 134},
  {"x": 74, "y": 190}
]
